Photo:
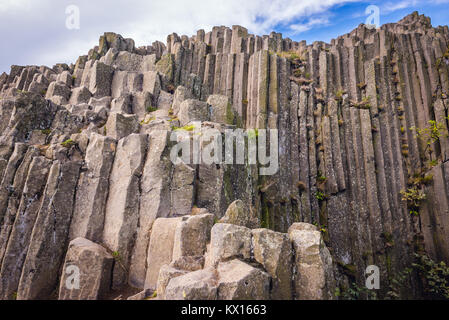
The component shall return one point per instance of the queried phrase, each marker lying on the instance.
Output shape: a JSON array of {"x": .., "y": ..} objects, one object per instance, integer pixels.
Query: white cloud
[
  {"x": 394, "y": 6},
  {"x": 302, "y": 27}
]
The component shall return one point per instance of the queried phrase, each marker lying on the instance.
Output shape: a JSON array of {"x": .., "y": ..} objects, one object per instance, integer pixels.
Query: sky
[{"x": 46, "y": 32}]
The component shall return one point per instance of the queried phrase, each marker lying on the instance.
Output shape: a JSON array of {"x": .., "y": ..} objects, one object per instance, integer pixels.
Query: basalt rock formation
[{"x": 87, "y": 181}]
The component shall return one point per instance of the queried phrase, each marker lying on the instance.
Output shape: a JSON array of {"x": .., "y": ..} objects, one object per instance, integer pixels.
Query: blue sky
[
  {"x": 343, "y": 18},
  {"x": 35, "y": 32}
]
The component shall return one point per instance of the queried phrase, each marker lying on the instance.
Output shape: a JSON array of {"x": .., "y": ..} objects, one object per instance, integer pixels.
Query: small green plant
[
  {"x": 339, "y": 95},
  {"x": 356, "y": 292},
  {"x": 321, "y": 178},
  {"x": 435, "y": 277},
  {"x": 290, "y": 55},
  {"x": 116, "y": 255},
  {"x": 320, "y": 196},
  {"x": 14, "y": 296},
  {"x": 46, "y": 131},
  {"x": 414, "y": 197},
  {"x": 185, "y": 128},
  {"x": 68, "y": 143},
  {"x": 151, "y": 109},
  {"x": 430, "y": 135}
]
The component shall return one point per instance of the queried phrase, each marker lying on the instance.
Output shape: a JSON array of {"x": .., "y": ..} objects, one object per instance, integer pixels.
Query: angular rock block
[
  {"x": 166, "y": 273},
  {"x": 193, "y": 110},
  {"x": 80, "y": 95},
  {"x": 221, "y": 109},
  {"x": 100, "y": 79},
  {"x": 166, "y": 67},
  {"x": 188, "y": 263},
  {"x": 238, "y": 214},
  {"x": 60, "y": 91},
  {"x": 86, "y": 274},
  {"x": 228, "y": 241},
  {"x": 240, "y": 281},
  {"x": 274, "y": 251},
  {"x": 314, "y": 274},
  {"x": 181, "y": 94},
  {"x": 198, "y": 285},
  {"x": 192, "y": 235},
  {"x": 121, "y": 125}
]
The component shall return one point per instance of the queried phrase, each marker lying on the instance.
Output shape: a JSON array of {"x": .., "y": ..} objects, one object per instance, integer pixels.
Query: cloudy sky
[{"x": 34, "y": 32}]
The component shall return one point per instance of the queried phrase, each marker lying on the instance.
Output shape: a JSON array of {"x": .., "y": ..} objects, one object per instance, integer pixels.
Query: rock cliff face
[{"x": 87, "y": 181}]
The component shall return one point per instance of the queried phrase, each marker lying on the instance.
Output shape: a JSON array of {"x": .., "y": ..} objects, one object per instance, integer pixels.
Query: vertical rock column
[
  {"x": 19, "y": 239},
  {"x": 122, "y": 208},
  {"x": 92, "y": 191},
  {"x": 154, "y": 200},
  {"x": 48, "y": 241}
]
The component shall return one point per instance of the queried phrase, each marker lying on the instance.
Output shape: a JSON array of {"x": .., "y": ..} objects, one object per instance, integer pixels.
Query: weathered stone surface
[
  {"x": 19, "y": 240},
  {"x": 80, "y": 95},
  {"x": 182, "y": 189},
  {"x": 121, "y": 125},
  {"x": 189, "y": 263},
  {"x": 92, "y": 191},
  {"x": 181, "y": 94},
  {"x": 238, "y": 280},
  {"x": 166, "y": 66},
  {"x": 314, "y": 276},
  {"x": 193, "y": 110},
  {"x": 274, "y": 251},
  {"x": 154, "y": 200},
  {"x": 166, "y": 273},
  {"x": 122, "y": 207},
  {"x": 48, "y": 240},
  {"x": 160, "y": 250},
  {"x": 94, "y": 264},
  {"x": 229, "y": 241},
  {"x": 346, "y": 151},
  {"x": 191, "y": 235},
  {"x": 221, "y": 109},
  {"x": 58, "y": 90},
  {"x": 100, "y": 80},
  {"x": 238, "y": 214},
  {"x": 165, "y": 100},
  {"x": 198, "y": 285}
]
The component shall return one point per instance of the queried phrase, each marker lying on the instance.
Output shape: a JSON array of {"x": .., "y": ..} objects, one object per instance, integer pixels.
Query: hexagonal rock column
[
  {"x": 121, "y": 125},
  {"x": 160, "y": 250},
  {"x": 93, "y": 264},
  {"x": 314, "y": 278},
  {"x": 192, "y": 235},
  {"x": 274, "y": 251},
  {"x": 193, "y": 110}
]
